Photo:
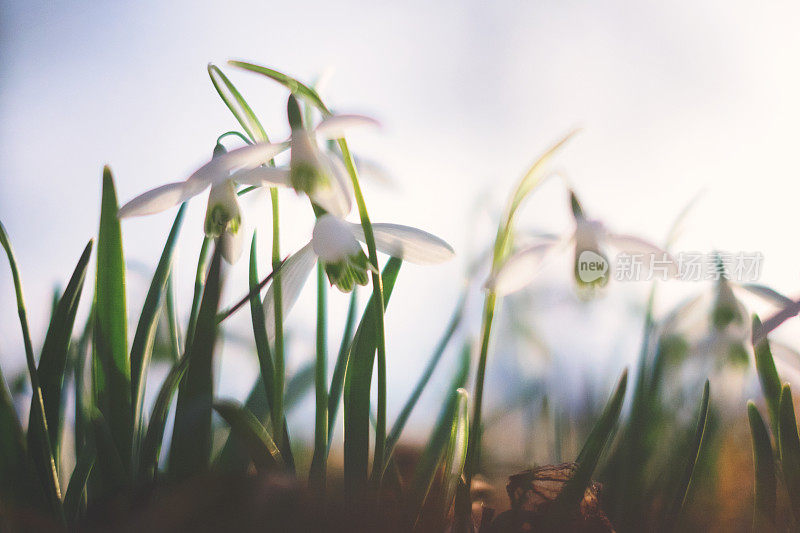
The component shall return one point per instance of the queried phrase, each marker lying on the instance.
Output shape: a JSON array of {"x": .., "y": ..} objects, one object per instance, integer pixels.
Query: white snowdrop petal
[
  {"x": 293, "y": 275},
  {"x": 335, "y": 126},
  {"x": 263, "y": 177},
  {"x": 633, "y": 245},
  {"x": 232, "y": 245},
  {"x": 407, "y": 243},
  {"x": 520, "y": 269},
  {"x": 158, "y": 199},
  {"x": 246, "y": 157},
  {"x": 333, "y": 240},
  {"x": 334, "y": 195}
]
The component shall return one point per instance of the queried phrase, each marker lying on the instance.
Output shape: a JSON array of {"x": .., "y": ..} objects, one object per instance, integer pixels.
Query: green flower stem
[
  {"x": 377, "y": 293},
  {"x": 199, "y": 283},
  {"x": 318, "y": 462},
  {"x": 473, "y": 448},
  {"x": 276, "y": 410}
]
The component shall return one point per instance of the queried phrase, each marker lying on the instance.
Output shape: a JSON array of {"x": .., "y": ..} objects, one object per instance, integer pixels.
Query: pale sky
[{"x": 671, "y": 98}]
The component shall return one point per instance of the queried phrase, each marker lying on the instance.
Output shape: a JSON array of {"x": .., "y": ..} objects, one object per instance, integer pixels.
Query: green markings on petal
[{"x": 223, "y": 213}]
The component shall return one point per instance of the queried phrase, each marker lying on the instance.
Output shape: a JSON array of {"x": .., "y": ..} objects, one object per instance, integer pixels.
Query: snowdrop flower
[
  {"x": 223, "y": 216},
  {"x": 335, "y": 241},
  {"x": 311, "y": 170},
  {"x": 590, "y": 239}
]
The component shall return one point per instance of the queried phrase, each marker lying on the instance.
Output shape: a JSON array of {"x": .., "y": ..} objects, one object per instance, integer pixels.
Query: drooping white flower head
[
  {"x": 223, "y": 215},
  {"x": 335, "y": 241},
  {"x": 590, "y": 238},
  {"x": 312, "y": 170}
]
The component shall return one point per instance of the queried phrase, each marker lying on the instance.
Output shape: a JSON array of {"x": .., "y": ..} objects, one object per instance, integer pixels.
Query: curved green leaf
[
  {"x": 678, "y": 502},
  {"x": 41, "y": 449},
  {"x": 426, "y": 468},
  {"x": 765, "y": 477},
  {"x": 53, "y": 360},
  {"x": 768, "y": 376},
  {"x": 191, "y": 438},
  {"x": 337, "y": 379},
  {"x": 142, "y": 348},
  {"x": 237, "y": 104},
  {"x": 789, "y": 446},
  {"x": 290, "y": 83},
  {"x": 77, "y": 483},
  {"x": 589, "y": 456},
  {"x": 110, "y": 364},
  {"x": 357, "y": 384},
  {"x": 263, "y": 450},
  {"x": 405, "y": 413}
]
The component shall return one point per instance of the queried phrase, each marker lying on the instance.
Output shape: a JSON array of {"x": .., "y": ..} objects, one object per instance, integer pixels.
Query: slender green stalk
[
  {"x": 199, "y": 283},
  {"x": 402, "y": 418},
  {"x": 337, "y": 380},
  {"x": 473, "y": 448},
  {"x": 318, "y": 462},
  {"x": 276, "y": 406},
  {"x": 377, "y": 293},
  {"x": 172, "y": 319},
  {"x": 51, "y": 485}
]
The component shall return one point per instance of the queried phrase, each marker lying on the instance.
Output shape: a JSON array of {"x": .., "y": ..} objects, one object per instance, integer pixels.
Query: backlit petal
[
  {"x": 158, "y": 199},
  {"x": 407, "y": 243},
  {"x": 520, "y": 269},
  {"x": 293, "y": 276},
  {"x": 335, "y": 126}
]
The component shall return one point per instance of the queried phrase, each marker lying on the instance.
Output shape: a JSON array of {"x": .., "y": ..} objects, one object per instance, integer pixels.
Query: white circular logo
[{"x": 591, "y": 266}]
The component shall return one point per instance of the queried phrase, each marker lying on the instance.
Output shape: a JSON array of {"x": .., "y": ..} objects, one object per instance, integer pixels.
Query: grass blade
[
  {"x": 41, "y": 451},
  {"x": 53, "y": 360},
  {"x": 191, "y": 439},
  {"x": 671, "y": 519},
  {"x": 77, "y": 483},
  {"x": 237, "y": 104},
  {"x": 765, "y": 477},
  {"x": 456, "y": 449},
  {"x": 789, "y": 446},
  {"x": 110, "y": 363},
  {"x": 108, "y": 462},
  {"x": 290, "y": 83},
  {"x": 357, "y": 383},
  {"x": 402, "y": 418},
  {"x": 320, "y": 456},
  {"x": 768, "y": 376},
  {"x": 590, "y": 453},
  {"x": 337, "y": 380},
  {"x": 142, "y": 348},
  {"x": 16, "y": 477},
  {"x": 425, "y": 470},
  {"x": 260, "y": 327},
  {"x": 154, "y": 436},
  {"x": 263, "y": 450}
]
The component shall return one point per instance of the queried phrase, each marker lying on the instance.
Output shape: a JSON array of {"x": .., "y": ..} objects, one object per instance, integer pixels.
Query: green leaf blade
[
  {"x": 142, "y": 347},
  {"x": 191, "y": 439},
  {"x": 789, "y": 446},
  {"x": 262, "y": 448},
  {"x": 53, "y": 360},
  {"x": 765, "y": 476},
  {"x": 110, "y": 363},
  {"x": 679, "y": 501},
  {"x": 358, "y": 379},
  {"x": 768, "y": 377}
]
